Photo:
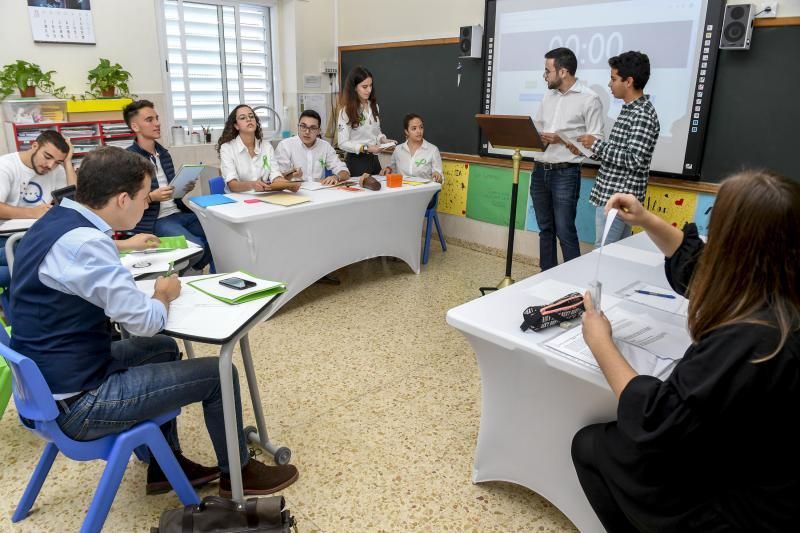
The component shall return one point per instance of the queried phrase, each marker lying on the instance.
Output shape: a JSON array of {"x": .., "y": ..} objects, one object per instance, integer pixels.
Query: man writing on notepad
[
  {"x": 307, "y": 156},
  {"x": 570, "y": 108},
  {"x": 164, "y": 216},
  {"x": 69, "y": 282}
]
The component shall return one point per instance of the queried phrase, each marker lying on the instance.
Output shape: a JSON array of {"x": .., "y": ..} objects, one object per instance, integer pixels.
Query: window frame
[{"x": 166, "y": 82}]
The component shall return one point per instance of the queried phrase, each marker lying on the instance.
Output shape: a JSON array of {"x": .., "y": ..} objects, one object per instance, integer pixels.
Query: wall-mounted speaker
[
  {"x": 737, "y": 27},
  {"x": 470, "y": 41}
]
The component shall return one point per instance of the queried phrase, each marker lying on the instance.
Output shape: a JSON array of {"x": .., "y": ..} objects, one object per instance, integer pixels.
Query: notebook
[
  {"x": 211, "y": 200},
  {"x": 167, "y": 244},
  {"x": 262, "y": 289}
]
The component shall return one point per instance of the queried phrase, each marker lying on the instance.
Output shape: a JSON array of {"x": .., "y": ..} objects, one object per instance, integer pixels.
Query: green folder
[
  {"x": 271, "y": 290},
  {"x": 168, "y": 244}
]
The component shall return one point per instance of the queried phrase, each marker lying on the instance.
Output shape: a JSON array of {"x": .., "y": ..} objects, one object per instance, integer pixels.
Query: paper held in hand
[
  {"x": 573, "y": 141},
  {"x": 262, "y": 288},
  {"x": 186, "y": 175}
]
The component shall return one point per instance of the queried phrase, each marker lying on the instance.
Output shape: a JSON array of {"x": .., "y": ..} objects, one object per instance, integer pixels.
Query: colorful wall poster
[
  {"x": 489, "y": 195},
  {"x": 453, "y": 198}
]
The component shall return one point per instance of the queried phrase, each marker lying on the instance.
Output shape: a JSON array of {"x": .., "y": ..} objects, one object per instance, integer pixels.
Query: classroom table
[
  {"x": 300, "y": 244},
  {"x": 534, "y": 399},
  {"x": 195, "y": 316}
]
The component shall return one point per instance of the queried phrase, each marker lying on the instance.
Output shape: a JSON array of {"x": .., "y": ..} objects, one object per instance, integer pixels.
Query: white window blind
[{"x": 219, "y": 54}]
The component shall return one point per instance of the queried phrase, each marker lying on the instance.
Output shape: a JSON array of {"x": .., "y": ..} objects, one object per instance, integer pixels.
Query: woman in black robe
[{"x": 714, "y": 447}]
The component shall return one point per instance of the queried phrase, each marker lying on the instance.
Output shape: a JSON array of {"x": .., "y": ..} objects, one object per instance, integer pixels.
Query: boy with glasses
[{"x": 306, "y": 155}]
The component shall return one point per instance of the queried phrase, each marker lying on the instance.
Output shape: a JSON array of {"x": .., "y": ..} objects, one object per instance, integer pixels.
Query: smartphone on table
[{"x": 237, "y": 283}]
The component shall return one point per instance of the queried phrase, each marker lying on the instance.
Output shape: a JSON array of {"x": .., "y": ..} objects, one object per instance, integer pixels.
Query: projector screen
[{"x": 681, "y": 38}]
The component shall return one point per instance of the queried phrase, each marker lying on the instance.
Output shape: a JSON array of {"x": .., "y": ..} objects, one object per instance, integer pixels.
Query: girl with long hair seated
[
  {"x": 713, "y": 447},
  {"x": 416, "y": 157},
  {"x": 359, "y": 125},
  {"x": 247, "y": 161}
]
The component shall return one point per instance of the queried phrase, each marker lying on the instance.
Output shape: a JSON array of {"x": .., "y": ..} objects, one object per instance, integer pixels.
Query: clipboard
[{"x": 186, "y": 175}]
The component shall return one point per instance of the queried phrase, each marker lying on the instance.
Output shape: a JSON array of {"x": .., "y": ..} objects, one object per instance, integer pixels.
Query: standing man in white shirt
[
  {"x": 306, "y": 155},
  {"x": 573, "y": 109}
]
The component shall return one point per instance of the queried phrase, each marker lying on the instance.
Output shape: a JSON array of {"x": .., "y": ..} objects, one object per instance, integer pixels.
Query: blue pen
[{"x": 649, "y": 293}]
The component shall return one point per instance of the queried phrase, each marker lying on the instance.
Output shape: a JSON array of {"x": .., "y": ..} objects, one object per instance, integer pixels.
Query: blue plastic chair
[
  {"x": 217, "y": 185},
  {"x": 431, "y": 217},
  {"x": 38, "y": 412}
]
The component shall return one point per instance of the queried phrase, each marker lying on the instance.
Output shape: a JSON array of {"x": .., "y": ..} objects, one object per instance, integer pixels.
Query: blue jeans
[
  {"x": 5, "y": 272},
  {"x": 619, "y": 229},
  {"x": 155, "y": 381},
  {"x": 188, "y": 225},
  {"x": 555, "y": 199}
]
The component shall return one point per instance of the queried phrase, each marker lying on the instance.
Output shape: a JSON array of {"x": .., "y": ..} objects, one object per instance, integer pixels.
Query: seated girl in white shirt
[
  {"x": 247, "y": 161},
  {"x": 416, "y": 157}
]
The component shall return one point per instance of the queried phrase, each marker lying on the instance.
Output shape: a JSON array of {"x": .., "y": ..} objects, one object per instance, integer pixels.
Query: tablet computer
[
  {"x": 63, "y": 192},
  {"x": 186, "y": 175}
]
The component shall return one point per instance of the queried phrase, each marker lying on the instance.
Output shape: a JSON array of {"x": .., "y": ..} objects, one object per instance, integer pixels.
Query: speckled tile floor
[{"x": 378, "y": 398}]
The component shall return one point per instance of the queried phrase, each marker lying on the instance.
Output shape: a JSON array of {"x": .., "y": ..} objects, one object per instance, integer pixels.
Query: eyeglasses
[
  {"x": 312, "y": 129},
  {"x": 246, "y": 117}
]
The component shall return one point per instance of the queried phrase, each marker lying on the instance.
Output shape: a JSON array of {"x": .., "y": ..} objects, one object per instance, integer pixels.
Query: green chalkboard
[{"x": 489, "y": 195}]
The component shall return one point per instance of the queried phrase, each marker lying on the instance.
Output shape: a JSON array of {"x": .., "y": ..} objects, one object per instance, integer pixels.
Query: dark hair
[
  {"x": 754, "y": 228},
  {"x": 109, "y": 171},
  {"x": 349, "y": 99},
  {"x": 54, "y": 138},
  {"x": 563, "y": 58},
  {"x": 634, "y": 65},
  {"x": 311, "y": 113},
  {"x": 408, "y": 118},
  {"x": 132, "y": 109},
  {"x": 229, "y": 132}
]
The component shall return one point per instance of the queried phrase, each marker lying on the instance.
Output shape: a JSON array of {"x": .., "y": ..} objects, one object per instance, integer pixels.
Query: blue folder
[{"x": 212, "y": 199}]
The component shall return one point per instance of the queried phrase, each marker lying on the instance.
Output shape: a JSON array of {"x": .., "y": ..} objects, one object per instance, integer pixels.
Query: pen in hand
[
  {"x": 171, "y": 270},
  {"x": 662, "y": 295}
]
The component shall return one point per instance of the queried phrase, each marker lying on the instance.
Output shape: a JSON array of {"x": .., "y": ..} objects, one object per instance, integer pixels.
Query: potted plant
[
  {"x": 27, "y": 77},
  {"x": 106, "y": 78}
]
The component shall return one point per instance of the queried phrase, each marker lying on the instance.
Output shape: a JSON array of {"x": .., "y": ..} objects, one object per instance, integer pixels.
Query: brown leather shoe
[
  {"x": 259, "y": 479},
  {"x": 368, "y": 182},
  {"x": 198, "y": 475}
]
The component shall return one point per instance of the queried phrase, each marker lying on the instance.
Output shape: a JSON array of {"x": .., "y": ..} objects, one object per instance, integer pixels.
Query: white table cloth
[
  {"x": 534, "y": 399},
  {"x": 299, "y": 244}
]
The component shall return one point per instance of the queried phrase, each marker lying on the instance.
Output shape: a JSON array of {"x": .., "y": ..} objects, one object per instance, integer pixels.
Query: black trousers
[
  {"x": 359, "y": 164},
  {"x": 594, "y": 486}
]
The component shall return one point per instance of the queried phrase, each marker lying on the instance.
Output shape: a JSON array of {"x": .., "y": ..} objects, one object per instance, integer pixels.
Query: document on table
[
  {"x": 643, "y": 257},
  {"x": 651, "y": 347},
  {"x": 183, "y": 310},
  {"x": 671, "y": 303}
]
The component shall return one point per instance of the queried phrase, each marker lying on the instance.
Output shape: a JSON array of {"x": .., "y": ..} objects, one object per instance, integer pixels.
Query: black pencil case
[{"x": 539, "y": 317}]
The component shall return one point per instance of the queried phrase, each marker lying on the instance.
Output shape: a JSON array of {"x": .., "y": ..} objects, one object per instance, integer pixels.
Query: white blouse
[
  {"x": 236, "y": 163},
  {"x": 425, "y": 161},
  {"x": 368, "y": 132}
]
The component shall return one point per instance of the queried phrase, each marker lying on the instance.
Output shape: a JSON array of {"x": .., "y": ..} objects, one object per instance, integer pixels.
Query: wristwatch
[{"x": 363, "y": 149}]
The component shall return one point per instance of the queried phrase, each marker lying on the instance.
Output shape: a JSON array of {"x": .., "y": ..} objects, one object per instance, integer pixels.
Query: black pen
[{"x": 171, "y": 270}]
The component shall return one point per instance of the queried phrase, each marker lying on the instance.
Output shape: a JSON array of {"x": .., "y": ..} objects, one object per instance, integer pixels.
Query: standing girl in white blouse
[
  {"x": 416, "y": 157},
  {"x": 359, "y": 126},
  {"x": 247, "y": 161}
]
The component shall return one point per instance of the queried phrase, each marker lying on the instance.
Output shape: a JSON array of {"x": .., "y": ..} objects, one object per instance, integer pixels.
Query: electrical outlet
[
  {"x": 762, "y": 6},
  {"x": 329, "y": 67}
]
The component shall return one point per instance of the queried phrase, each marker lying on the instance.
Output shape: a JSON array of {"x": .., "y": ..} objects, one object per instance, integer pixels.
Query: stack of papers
[
  {"x": 262, "y": 288},
  {"x": 285, "y": 199}
]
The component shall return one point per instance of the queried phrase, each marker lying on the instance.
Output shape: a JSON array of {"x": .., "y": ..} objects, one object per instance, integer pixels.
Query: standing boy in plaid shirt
[{"x": 625, "y": 156}]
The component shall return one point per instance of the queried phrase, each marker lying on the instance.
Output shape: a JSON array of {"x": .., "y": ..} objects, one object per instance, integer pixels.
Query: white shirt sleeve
[
  {"x": 594, "y": 118},
  {"x": 227, "y": 161},
  {"x": 9, "y": 186},
  {"x": 344, "y": 133},
  {"x": 283, "y": 156},
  {"x": 332, "y": 161},
  {"x": 436, "y": 162}
]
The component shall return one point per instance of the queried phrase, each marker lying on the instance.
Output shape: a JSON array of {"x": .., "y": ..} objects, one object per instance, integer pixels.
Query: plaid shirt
[{"x": 625, "y": 157}]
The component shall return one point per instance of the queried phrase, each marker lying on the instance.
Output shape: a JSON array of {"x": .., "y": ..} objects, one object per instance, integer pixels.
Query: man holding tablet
[{"x": 165, "y": 216}]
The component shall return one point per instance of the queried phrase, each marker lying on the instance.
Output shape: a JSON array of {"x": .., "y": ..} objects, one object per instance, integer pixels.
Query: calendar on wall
[{"x": 61, "y": 21}]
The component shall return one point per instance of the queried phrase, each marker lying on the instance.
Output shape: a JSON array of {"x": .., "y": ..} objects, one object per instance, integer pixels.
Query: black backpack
[{"x": 262, "y": 515}]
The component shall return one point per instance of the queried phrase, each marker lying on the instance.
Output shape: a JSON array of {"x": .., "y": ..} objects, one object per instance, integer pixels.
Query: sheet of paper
[
  {"x": 16, "y": 224},
  {"x": 186, "y": 175},
  {"x": 677, "y": 305},
  {"x": 384, "y": 146},
  {"x": 643, "y": 257},
  {"x": 213, "y": 286},
  {"x": 573, "y": 141}
]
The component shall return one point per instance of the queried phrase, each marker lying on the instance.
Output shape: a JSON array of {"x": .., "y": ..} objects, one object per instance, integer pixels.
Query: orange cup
[{"x": 394, "y": 180}]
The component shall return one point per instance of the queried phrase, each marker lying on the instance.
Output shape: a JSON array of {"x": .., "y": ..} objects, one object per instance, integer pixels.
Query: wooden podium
[{"x": 517, "y": 133}]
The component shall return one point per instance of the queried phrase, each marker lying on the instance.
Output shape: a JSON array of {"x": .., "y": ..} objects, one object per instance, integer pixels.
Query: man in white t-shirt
[
  {"x": 27, "y": 180},
  {"x": 306, "y": 155}
]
